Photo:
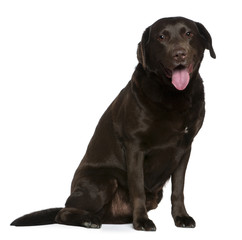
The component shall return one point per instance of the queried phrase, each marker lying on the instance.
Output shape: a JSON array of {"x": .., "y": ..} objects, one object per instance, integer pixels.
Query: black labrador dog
[{"x": 143, "y": 138}]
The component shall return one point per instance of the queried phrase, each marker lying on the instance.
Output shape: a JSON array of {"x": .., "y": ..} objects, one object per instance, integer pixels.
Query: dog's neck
[{"x": 158, "y": 91}]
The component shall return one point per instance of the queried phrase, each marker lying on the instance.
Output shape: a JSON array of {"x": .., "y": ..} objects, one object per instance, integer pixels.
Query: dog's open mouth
[{"x": 180, "y": 76}]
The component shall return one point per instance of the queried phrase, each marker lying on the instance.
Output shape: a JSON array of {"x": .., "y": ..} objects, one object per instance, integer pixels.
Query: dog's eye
[
  {"x": 162, "y": 37},
  {"x": 189, "y": 34}
]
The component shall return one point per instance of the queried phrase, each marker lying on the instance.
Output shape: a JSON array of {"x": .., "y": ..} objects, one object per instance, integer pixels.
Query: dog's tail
[{"x": 37, "y": 218}]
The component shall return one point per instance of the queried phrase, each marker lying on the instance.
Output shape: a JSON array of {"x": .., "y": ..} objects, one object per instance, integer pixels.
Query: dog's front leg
[
  {"x": 179, "y": 213},
  {"x": 135, "y": 160}
]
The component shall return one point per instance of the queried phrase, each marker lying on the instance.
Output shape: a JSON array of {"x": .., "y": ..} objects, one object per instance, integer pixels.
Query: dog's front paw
[
  {"x": 144, "y": 225},
  {"x": 185, "y": 222}
]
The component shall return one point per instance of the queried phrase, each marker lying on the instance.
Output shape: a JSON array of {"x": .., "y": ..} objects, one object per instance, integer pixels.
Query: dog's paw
[
  {"x": 185, "y": 222},
  {"x": 94, "y": 223},
  {"x": 144, "y": 225},
  {"x": 75, "y": 218}
]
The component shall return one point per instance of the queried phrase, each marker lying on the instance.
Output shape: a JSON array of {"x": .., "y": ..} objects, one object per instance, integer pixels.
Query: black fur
[
  {"x": 37, "y": 218},
  {"x": 143, "y": 138}
]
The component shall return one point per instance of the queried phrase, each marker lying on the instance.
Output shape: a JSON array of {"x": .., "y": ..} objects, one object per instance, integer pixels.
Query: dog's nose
[{"x": 179, "y": 55}]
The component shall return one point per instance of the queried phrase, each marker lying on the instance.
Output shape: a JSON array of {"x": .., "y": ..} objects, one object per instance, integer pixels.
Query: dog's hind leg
[{"x": 86, "y": 205}]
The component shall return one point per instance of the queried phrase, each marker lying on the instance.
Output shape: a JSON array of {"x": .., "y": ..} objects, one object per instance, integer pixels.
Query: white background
[{"x": 61, "y": 65}]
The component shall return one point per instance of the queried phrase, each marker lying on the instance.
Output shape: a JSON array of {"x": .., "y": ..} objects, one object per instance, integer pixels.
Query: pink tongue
[{"x": 180, "y": 78}]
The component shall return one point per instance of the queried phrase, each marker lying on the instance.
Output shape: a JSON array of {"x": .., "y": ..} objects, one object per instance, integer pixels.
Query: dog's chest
[
  {"x": 168, "y": 131},
  {"x": 164, "y": 145}
]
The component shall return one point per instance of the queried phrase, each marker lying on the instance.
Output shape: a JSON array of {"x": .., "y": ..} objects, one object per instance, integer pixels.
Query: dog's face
[{"x": 173, "y": 49}]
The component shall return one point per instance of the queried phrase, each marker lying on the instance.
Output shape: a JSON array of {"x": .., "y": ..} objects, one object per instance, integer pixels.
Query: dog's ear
[
  {"x": 141, "y": 55},
  {"x": 206, "y": 36}
]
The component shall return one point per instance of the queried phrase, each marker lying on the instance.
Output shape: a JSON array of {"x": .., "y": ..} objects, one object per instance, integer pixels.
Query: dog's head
[{"x": 173, "y": 49}]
